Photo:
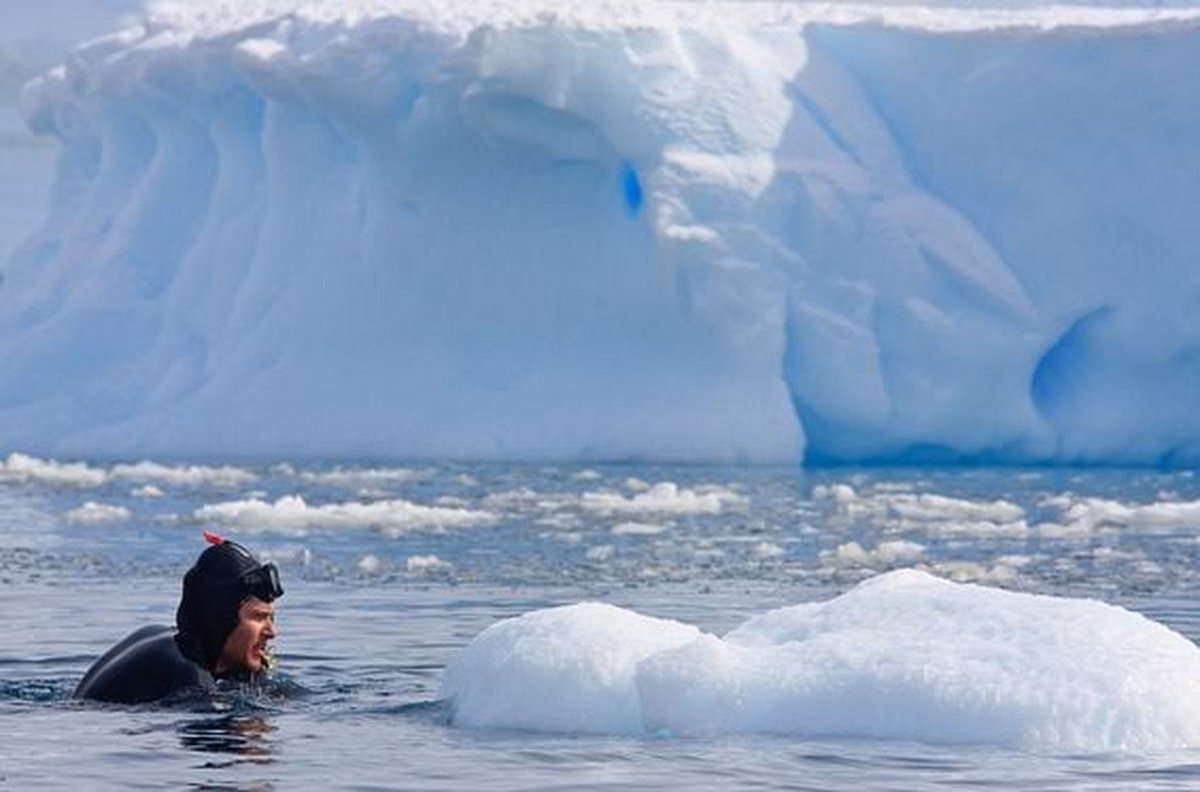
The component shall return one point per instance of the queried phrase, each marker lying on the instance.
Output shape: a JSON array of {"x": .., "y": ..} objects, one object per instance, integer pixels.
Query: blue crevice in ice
[{"x": 631, "y": 188}]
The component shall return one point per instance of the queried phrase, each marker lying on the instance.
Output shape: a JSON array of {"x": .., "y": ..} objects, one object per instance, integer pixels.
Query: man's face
[{"x": 246, "y": 647}]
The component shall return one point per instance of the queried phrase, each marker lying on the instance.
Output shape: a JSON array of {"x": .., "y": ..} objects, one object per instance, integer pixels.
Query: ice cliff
[{"x": 718, "y": 231}]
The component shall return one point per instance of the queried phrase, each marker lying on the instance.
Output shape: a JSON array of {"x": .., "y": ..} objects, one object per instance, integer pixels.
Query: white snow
[
  {"x": 903, "y": 655},
  {"x": 730, "y": 231}
]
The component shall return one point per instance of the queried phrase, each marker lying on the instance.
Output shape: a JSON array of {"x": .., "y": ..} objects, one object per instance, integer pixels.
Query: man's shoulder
[{"x": 146, "y": 665}]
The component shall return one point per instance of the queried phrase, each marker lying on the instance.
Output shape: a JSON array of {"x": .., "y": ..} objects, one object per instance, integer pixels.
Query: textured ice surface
[
  {"x": 735, "y": 231},
  {"x": 904, "y": 655}
]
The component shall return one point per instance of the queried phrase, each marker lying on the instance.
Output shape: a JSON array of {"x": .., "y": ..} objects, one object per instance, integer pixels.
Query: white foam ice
[
  {"x": 426, "y": 564},
  {"x": 903, "y": 655},
  {"x": 1085, "y": 515},
  {"x": 363, "y": 477},
  {"x": 20, "y": 467},
  {"x": 23, "y": 468},
  {"x": 182, "y": 475},
  {"x": 665, "y": 497},
  {"x": 147, "y": 491},
  {"x": 917, "y": 507},
  {"x": 92, "y": 513},
  {"x": 929, "y": 514},
  {"x": 690, "y": 231},
  {"x": 766, "y": 551},
  {"x": 600, "y": 553},
  {"x": 292, "y": 514},
  {"x": 638, "y": 529},
  {"x": 887, "y": 555}
]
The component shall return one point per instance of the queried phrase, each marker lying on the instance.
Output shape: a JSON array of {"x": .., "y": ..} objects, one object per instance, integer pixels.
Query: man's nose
[{"x": 271, "y": 630}]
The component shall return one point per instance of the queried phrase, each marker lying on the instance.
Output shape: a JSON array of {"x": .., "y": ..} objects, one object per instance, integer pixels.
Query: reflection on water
[{"x": 246, "y": 737}]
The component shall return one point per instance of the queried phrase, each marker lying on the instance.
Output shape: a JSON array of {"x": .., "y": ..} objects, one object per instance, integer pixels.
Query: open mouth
[{"x": 266, "y": 655}]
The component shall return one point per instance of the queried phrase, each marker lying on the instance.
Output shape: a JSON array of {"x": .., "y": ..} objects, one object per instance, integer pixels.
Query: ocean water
[{"x": 390, "y": 570}]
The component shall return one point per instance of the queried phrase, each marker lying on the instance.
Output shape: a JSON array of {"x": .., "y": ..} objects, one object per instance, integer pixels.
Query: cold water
[{"x": 391, "y": 570}]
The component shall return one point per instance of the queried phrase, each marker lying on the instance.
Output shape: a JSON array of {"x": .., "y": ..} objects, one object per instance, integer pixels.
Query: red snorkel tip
[{"x": 213, "y": 538}]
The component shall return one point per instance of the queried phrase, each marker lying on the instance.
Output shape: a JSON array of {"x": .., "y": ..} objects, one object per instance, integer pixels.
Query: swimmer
[{"x": 223, "y": 628}]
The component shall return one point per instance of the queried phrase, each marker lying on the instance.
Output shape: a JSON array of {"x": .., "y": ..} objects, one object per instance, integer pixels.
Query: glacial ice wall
[{"x": 731, "y": 231}]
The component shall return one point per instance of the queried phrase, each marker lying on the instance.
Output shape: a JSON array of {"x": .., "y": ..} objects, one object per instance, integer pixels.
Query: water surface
[{"x": 375, "y": 609}]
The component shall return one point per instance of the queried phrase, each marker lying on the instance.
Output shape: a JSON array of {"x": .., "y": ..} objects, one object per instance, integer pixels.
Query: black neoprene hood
[{"x": 212, "y": 595}]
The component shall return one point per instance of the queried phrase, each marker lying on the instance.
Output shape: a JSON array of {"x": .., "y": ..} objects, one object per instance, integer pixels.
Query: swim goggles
[{"x": 262, "y": 582}]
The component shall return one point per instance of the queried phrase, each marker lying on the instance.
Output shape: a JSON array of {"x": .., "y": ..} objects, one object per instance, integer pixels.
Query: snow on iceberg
[
  {"x": 728, "y": 231},
  {"x": 903, "y": 655}
]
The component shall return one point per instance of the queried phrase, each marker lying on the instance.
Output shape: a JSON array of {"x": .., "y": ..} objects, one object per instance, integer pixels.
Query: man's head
[
  {"x": 246, "y": 649},
  {"x": 226, "y": 615}
]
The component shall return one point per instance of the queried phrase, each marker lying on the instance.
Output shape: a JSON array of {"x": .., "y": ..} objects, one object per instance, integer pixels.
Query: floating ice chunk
[
  {"x": 766, "y": 551},
  {"x": 92, "y": 512},
  {"x": 887, "y": 555},
  {"x": 1000, "y": 573},
  {"x": 370, "y": 564},
  {"x": 665, "y": 497},
  {"x": 147, "y": 491},
  {"x": 1088, "y": 514},
  {"x": 904, "y": 655},
  {"x": 927, "y": 506},
  {"x": 292, "y": 513},
  {"x": 922, "y": 507},
  {"x": 23, "y": 468},
  {"x": 638, "y": 529},
  {"x": 931, "y": 513},
  {"x": 296, "y": 554},
  {"x": 186, "y": 475},
  {"x": 568, "y": 669},
  {"x": 1017, "y": 529},
  {"x": 517, "y": 497},
  {"x": 426, "y": 564},
  {"x": 600, "y": 553},
  {"x": 364, "y": 477}
]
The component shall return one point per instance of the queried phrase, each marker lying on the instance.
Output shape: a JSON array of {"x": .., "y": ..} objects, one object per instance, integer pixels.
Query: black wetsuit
[{"x": 147, "y": 665}]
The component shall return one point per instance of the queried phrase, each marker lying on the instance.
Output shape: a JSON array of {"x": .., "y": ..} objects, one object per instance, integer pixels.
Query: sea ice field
[{"x": 450, "y": 626}]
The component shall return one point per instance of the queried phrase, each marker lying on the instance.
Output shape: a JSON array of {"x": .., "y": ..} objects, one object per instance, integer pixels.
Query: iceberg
[
  {"x": 751, "y": 231},
  {"x": 903, "y": 655}
]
